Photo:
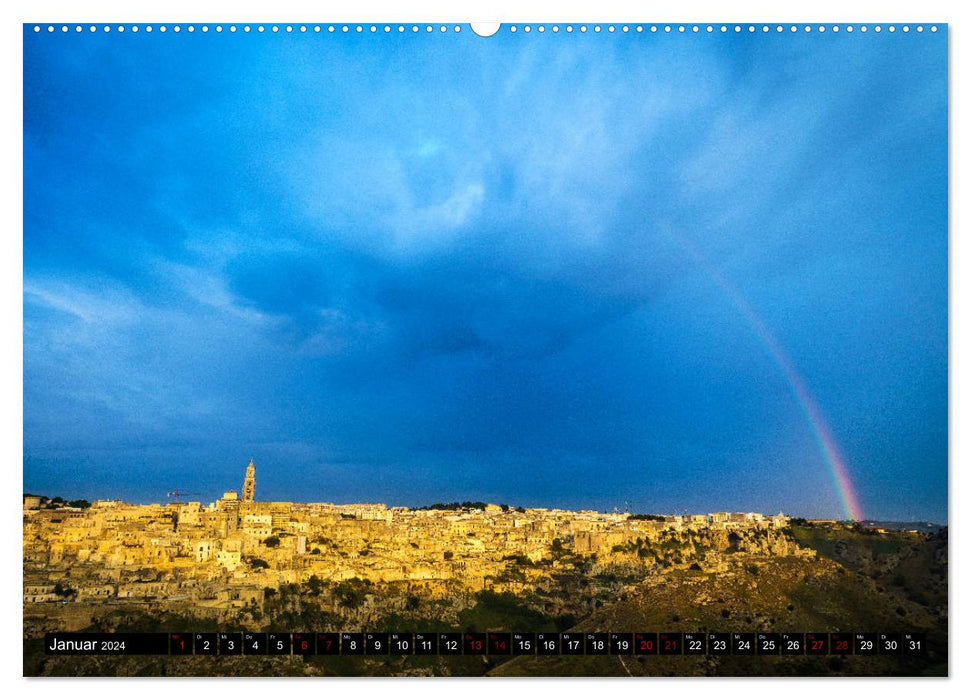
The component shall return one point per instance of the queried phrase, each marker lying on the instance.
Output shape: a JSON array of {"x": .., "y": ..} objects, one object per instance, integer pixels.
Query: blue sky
[{"x": 422, "y": 268}]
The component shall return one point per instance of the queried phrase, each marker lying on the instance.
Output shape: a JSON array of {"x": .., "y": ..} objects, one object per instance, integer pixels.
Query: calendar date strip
[{"x": 486, "y": 643}]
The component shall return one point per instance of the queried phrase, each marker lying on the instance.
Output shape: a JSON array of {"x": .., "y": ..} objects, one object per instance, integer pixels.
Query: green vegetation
[
  {"x": 455, "y": 505},
  {"x": 616, "y": 577},
  {"x": 294, "y": 609},
  {"x": 469, "y": 505},
  {"x": 58, "y": 502},
  {"x": 507, "y": 612},
  {"x": 272, "y": 541},
  {"x": 510, "y": 574},
  {"x": 849, "y": 545},
  {"x": 517, "y": 560},
  {"x": 351, "y": 593},
  {"x": 64, "y": 591},
  {"x": 314, "y": 585}
]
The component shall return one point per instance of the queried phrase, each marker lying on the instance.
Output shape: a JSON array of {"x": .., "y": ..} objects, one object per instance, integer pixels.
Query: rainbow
[{"x": 817, "y": 424}]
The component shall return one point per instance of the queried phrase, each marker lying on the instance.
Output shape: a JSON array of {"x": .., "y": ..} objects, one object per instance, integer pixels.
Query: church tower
[{"x": 249, "y": 484}]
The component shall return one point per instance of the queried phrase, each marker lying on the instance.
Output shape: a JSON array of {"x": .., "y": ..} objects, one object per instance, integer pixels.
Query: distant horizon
[{"x": 705, "y": 511}]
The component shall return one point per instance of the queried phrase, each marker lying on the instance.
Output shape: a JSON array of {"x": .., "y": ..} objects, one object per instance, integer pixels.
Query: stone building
[{"x": 249, "y": 483}]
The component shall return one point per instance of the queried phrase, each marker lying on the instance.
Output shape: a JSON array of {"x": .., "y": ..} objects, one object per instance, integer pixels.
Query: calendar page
[{"x": 525, "y": 349}]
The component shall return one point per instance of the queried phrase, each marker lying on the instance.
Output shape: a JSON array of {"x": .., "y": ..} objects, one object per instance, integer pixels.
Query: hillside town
[{"x": 237, "y": 550}]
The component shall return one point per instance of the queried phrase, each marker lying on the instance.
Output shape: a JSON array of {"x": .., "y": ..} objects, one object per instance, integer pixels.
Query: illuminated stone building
[{"x": 249, "y": 483}]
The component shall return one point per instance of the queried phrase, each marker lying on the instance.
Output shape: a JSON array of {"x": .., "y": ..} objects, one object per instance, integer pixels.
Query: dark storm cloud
[{"x": 424, "y": 270}]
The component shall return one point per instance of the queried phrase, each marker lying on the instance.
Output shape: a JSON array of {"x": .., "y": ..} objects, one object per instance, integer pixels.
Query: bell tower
[{"x": 249, "y": 483}]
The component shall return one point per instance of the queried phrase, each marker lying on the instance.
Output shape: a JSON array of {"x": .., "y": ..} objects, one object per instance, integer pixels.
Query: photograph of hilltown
[{"x": 398, "y": 350}]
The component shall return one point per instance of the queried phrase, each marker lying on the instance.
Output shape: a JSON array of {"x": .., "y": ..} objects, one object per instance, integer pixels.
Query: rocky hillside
[{"x": 812, "y": 579}]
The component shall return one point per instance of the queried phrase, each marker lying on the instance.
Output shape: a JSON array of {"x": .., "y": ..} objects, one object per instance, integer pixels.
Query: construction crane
[{"x": 177, "y": 493}]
